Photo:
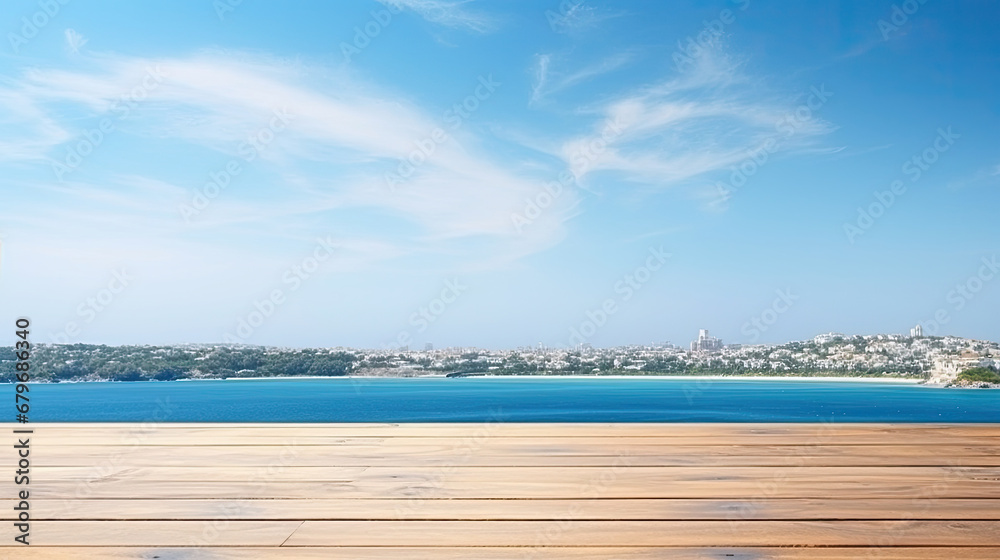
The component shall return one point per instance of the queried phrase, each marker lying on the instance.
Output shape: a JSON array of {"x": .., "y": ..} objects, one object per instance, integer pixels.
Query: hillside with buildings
[{"x": 936, "y": 360}]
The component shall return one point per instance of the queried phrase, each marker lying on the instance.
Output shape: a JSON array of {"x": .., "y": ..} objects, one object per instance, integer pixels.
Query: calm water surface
[{"x": 512, "y": 400}]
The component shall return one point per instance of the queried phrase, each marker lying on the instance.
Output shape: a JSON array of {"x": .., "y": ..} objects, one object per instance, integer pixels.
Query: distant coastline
[
  {"x": 935, "y": 361},
  {"x": 876, "y": 379},
  {"x": 651, "y": 376},
  {"x": 574, "y": 376}
]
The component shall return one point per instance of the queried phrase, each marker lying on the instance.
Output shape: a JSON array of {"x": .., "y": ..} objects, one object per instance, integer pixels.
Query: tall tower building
[{"x": 705, "y": 343}]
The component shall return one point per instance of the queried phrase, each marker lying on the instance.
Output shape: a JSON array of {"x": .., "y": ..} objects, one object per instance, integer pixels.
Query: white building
[
  {"x": 828, "y": 337},
  {"x": 944, "y": 369},
  {"x": 917, "y": 331},
  {"x": 705, "y": 343}
]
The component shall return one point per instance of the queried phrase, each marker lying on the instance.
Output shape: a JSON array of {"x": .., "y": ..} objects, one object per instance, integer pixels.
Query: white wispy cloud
[
  {"x": 547, "y": 82},
  {"x": 541, "y": 77},
  {"x": 577, "y": 17},
  {"x": 28, "y": 131},
  {"x": 983, "y": 176},
  {"x": 705, "y": 120},
  {"x": 327, "y": 166},
  {"x": 449, "y": 13}
]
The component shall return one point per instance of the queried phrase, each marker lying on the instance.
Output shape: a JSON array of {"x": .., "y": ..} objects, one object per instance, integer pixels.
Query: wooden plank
[
  {"x": 99, "y": 465},
  {"x": 473, "y": 509},
  {"x": 623, "y": 472},
  {"x": 643, "y": 533},
  {"x": 161, "y": 533},
  {"x": 516, "y": 533},
  {"x": 541, "y": 455},
  {"x": 505, "y": 553},
  {"x": 488, "y": 441},
  {"x": 650, "y": 490},
  {"x": 517, "y": 488},
  {"x": 560, "y": 447},
  {"x": 545, "y": 430}
]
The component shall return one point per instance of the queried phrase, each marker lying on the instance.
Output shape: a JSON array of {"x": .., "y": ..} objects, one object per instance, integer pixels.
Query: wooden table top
[{"x": 506, "y": 491}]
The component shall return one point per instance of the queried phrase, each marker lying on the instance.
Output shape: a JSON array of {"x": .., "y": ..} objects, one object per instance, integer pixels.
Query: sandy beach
[{"x": 649, "y": 377}]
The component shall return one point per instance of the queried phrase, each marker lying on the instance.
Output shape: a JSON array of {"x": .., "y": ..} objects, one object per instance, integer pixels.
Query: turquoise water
[{"x": 512, "y": 400}]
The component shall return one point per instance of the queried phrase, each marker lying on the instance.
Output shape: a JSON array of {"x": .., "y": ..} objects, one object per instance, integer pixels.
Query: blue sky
[{"x": 498, "y": 174}]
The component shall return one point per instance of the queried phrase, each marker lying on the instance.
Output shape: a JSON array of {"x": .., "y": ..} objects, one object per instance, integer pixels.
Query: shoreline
[
  {"x": 651, "y": 377},
  {"x": 717, "y": 377},
  {"x": 362, "y": 378}
]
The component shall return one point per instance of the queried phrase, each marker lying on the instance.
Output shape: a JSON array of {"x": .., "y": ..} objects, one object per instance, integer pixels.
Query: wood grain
[
  {"x": 505, "y": 553},
  {"x": 520, "y": 510},
  {"x": 502, "y": 491}
]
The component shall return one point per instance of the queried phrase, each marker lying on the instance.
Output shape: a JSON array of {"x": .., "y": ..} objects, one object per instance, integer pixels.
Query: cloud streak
[
  {"x": 576, "y": 17},
  {"x": 447, "y": 13},
  {"x": 700, "y": 122},
  {"x": 546, "y": 82},
  {"x": 329, "y": 166}
]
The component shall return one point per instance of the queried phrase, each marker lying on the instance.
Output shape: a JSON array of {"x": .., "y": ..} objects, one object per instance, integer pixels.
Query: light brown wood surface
[{"x": 502, "y": 491}]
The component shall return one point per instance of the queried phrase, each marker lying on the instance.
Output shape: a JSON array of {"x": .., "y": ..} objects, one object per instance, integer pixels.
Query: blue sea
[{"x": 509, "y": 399}]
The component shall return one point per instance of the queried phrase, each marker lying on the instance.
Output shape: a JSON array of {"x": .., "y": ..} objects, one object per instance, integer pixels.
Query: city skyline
[
  {"x": 698, "y": 345},
  {"x": 936, "y": 360},
  {"x": 495, "y": 175}
]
